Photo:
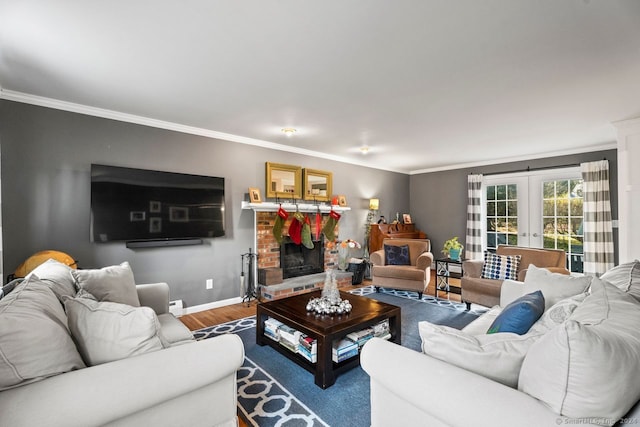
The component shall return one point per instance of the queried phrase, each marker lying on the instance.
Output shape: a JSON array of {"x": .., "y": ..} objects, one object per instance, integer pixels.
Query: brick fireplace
[{"x": 269, "y": 251}]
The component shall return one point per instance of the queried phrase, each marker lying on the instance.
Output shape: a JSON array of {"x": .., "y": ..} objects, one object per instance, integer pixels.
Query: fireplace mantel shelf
[{"x": 302, "y": 207}]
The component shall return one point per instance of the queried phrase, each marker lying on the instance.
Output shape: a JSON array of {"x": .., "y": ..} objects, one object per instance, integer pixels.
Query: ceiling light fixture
[
  {"x": 289, "y": 131},
  {"x": 364, "y": 150}
]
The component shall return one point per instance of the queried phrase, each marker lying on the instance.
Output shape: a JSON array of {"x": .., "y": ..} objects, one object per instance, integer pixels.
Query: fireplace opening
[{"x": 297, "y": 260}]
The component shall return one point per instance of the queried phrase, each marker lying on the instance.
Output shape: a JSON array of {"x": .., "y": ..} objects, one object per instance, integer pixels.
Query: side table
[{"x": 447, "y": 268}]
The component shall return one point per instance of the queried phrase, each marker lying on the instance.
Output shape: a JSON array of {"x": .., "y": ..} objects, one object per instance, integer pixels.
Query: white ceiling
[{"x": 426, "y": 84}]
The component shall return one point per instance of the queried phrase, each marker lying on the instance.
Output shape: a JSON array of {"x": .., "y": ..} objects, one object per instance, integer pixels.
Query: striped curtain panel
[
  {"x": 473, "y": 244},
  {"x": 598, "y": 231}
]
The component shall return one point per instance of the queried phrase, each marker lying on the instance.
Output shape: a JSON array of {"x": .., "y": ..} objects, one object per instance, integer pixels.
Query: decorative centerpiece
[{"x": 330, "y": 301}]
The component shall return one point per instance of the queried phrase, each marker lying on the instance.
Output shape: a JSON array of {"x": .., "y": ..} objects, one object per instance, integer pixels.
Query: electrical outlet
[{"x": 209, "y": 283}]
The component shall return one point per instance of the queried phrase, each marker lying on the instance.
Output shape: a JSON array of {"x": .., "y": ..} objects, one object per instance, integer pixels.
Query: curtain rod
[{"x": 530, "y": 169}]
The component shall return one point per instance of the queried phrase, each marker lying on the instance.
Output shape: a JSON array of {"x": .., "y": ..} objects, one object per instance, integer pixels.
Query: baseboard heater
[{"x": 160, "y": 243}]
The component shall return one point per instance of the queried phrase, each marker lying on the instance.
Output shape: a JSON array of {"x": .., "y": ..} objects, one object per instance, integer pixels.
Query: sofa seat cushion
[
  {"x": 626, "y": 277},
  {"x": 108, "y": 331},
  {"x": 34, "y": 339},
  {"x": 519, "y": 315},
  {"x": 113, "y": 284},
  {"x": 554, "y": 286},
  {"x": 174, "y": 331},
  {"x": 587, "y": 367},
  {"x": 497, "y": 356},
  {"x": 58, "y": 277},
  {"x": 406, "y": 272}
]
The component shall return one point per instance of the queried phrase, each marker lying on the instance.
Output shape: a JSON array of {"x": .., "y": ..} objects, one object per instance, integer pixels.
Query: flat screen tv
[{"x": 145, "y": 205}]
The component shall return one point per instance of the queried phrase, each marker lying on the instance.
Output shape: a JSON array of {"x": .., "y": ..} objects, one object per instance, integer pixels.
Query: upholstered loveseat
[
  {"x": 411, "y": 275},
  {"x": 478, "y": 290},
  {"x": 70, "y": 356},
  {"x": 578, "y": 364}
]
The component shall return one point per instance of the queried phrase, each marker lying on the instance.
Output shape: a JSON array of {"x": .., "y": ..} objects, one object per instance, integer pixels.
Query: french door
[{"x": 536, "y": 209}]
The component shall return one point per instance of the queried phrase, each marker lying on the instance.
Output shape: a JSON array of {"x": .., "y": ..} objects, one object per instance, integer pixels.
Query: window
[{"x": 536, "y": 209}]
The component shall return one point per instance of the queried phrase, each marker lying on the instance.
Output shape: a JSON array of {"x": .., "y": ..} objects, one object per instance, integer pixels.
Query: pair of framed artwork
[{"x": 256, "y": 197}]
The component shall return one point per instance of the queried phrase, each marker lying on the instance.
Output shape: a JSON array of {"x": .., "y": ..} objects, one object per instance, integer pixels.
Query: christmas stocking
[
  {"x": 329, "y": 229},
  {"x": 279, "y": 222},
  {"x": 306, "y": 233},
  {"x": 295, "y": 228}
]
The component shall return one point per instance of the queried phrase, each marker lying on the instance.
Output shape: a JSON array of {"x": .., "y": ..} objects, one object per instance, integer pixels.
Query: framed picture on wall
[
  {"x": 254, "y": 195},
  {"x": 342, "y": 200},
  {"x": 406, "y": 218}
]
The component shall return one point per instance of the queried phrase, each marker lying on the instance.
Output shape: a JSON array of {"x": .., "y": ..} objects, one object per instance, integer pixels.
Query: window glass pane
[
  {"x": 512, "y": 225},
  {"x": 513, "y": 239},
  {"x": 548, "y": 208},
  {"x": 501, "y": 238},
  {"x": 562, "y": 225},
  {"x": 576, "y": 226},
  {"x": 576, "y": 245},
  {"x": 491, "y": 208},
  {"x": 548, "y": 225},
  {"x": 549, "y": 241},
  {"x": 501, "y": 192},
  {"x": 548, "y": 190},
  {"x": 501, "y": 224},
  {"x": 562, "y": 207},
  {"x": 576, "y": 207},
  {"x": 512, "y": 191},
  {"x": 562, "y": 188},
  {"x": 512, "y": 208},
  {"x": 576, "y": 188},
  {"x": 491, "y": 224},
  {"x": 501, "y": 208},
  {"x": 491, "y": 240},
  {"x": 491, "y": 192}
]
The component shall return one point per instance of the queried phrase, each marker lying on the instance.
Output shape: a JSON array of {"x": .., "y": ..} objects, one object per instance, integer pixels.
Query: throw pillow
[
  {"x": 585, "y": 368},
  {"x": 554, "y": 286},
  {"x": 626, "y": 277},
  {"x": 396, "y": 255},
  {"x": 558, "y": 313},
  {"x": 58, "y": 276},
  {"x": 519, "y": 315},
  {"x": 500, "y": 267},
  {"x": 497, "y": 357},
  {"x": 108, "y": 331},
  {"x": 113, "y": 284},
  {"x": 34, "y": 339}
]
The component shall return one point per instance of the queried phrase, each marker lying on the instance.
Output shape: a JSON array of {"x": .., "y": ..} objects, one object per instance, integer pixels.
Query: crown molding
[
  {"x": 57, "y": 104},
  {"x": 601, "y": 147}
]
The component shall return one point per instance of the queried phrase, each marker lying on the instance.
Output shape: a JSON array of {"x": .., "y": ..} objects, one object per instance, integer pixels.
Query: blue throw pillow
[
  {"x": 396, "y": 255},
  {"x": 520, "y": 315}
]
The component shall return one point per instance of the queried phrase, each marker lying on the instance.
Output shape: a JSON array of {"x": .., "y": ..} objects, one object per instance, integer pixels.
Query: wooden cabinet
[{"x": 379, "y": 232}]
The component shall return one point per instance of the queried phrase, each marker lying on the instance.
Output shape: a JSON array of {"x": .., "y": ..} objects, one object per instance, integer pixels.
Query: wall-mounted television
[{"x": 142, "y": 205}]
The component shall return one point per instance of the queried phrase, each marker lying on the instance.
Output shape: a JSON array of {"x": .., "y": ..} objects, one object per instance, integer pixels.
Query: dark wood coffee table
[{"x": 325, "y": 329}]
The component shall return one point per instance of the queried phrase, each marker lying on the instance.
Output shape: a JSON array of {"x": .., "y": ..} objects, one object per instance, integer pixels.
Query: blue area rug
[{"x": 273, "y": 391}]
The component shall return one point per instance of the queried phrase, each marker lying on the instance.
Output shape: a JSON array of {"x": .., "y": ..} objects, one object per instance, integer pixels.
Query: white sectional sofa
[
  {"x": 96, "y": 362},
  {"x": 578, "y": 364}
]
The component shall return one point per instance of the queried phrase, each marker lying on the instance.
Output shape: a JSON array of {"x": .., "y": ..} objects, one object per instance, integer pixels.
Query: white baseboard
[{"x": 212, "y": 305}]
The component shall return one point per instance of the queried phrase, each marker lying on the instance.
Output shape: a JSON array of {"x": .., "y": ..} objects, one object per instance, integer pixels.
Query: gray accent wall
[
  {"x": 439, "y": 199},
  {"x": 45, "y": 176}
]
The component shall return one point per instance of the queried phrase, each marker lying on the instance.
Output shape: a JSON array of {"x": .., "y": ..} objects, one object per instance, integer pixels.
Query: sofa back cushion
[
  {"x": 554, "y": 286},
  {"x": 587, "y": 367},
  {"x": 535, "y": 256},
  {"x": 57, "y": 276},
  {"x": 109, "y": 331},
  {"x": 34, "y": 339},
  {"x": 113, "y": 284},
  {"x": 626, "y": 277}
]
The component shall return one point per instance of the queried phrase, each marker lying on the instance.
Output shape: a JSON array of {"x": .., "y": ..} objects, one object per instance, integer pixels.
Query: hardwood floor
[{"x": 228, "y": 313}]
